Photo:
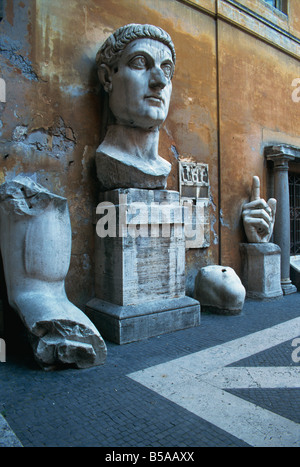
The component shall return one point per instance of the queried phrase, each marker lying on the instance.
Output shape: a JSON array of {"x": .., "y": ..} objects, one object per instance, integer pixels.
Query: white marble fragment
[
  {"x": 259, "y": 216},
  {"x": 135, "y": 67},
  {"x": 219, "y": 290},
  {"x": 35, "y": 240}
]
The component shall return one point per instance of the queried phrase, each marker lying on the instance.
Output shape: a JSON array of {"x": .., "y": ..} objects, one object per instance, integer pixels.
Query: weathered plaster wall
[
  {"x": 50, "y": 125},
  {"x": 51, "y": 122},
  {"x": 256, "y": 109},
  {"x": 42, "y": 122}
]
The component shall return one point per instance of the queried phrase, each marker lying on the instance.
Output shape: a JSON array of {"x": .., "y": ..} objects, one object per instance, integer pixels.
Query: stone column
[{"x": 282, "y": 225}]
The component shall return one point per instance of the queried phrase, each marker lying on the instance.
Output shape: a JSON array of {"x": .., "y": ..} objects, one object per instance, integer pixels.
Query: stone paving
[{"x": 105, "y": 407}]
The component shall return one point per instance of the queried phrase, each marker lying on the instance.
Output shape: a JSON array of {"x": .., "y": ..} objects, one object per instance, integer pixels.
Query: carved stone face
[{"x": 140, "y": 84}]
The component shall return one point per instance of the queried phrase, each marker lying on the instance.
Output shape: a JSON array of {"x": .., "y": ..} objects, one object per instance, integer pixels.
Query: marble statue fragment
[
  {"x": 259, "y": 216},
  {"x": 261, "y": 259},
  {"x": 35, "y": 241},
  {"x": 219, "y": 290},
  {"x": 135, "y": 67},
  {"x": 140, "y": 272}
]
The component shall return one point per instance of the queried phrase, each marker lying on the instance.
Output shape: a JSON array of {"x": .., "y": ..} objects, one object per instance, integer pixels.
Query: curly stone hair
[{"x": 113, "y": 47}]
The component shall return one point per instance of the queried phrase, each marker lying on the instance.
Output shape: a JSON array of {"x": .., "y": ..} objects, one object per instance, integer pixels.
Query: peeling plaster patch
[
  {"x": 168, "y": 132},
  {"x": 74, "y": 91},
  {"x": 55, "y": 142},
  {"x": 70, "y": 135},
  {"x": 11, "y": 50},
  {"x": 216, "y": 237},
  {"x": 39, "y": 139},
  {"x": 174, "y": 151},
  {"x": 213, "y": 221},
  {"x": 212, "y": 203},
  {"x": 19, "y": 133},
  {"x": 223, "y": 223}
]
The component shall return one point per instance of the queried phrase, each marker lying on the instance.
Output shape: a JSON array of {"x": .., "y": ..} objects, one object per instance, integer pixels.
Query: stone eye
[
  {"x": 139, "y": 62},
  {"x": 167, "y": 70}
]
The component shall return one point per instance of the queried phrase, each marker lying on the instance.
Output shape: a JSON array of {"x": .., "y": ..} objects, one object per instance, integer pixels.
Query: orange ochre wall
[{"x": 231, "y": 96}]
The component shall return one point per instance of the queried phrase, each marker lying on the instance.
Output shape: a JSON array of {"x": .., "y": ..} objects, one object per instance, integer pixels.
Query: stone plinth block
[
  {"x": 219, "y": 290},
  {"x": 125, "y": 324},
  {"x": 140, "y": 263},
  {"x": 261, "y": 270}
]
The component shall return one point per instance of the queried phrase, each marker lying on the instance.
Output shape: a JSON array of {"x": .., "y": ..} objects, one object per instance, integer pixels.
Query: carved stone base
[
  {"x": 125, "y": 324},
  {"x": 288, "y": 288},
  {"x": 261, "y": 270},
  {"x": 140, "y": 266}
]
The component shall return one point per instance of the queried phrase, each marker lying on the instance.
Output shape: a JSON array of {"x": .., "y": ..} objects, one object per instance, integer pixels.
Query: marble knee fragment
[{"x": 35, "y": 241}]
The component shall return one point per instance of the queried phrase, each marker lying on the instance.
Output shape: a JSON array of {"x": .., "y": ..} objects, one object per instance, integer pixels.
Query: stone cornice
[
  {"x": 277, "y": 151},
  {"x": 272, "y": 28}
]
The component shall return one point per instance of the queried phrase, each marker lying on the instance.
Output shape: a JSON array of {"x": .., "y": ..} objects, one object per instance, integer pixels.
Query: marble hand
[{"x": 259, "y": 216}]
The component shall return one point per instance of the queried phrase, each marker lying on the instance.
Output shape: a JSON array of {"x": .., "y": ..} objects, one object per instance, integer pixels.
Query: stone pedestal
[
  {"x": 261, "y": 276},
  {"x": 125, "y": 324},
  {"x": 140, "y": 266}
]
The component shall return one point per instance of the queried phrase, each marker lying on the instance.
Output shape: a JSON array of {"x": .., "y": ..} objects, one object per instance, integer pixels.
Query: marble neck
[{"x": 136, "y": 142}]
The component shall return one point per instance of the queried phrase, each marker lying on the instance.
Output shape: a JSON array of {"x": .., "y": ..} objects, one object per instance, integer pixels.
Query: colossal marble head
[{"x": 135, "y": 66}]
